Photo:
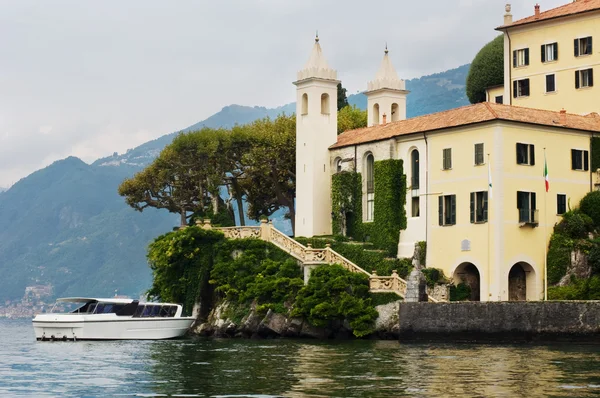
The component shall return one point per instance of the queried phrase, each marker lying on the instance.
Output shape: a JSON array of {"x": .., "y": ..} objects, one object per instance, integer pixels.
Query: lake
[{"x": 291, "y": 368}]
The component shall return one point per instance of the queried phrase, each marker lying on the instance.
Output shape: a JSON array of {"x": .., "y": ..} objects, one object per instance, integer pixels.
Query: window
[
  {"x": 549, "y": 52},
  {"x": 447, "y": 208},
  {"x": 395, "y": 113},
  {"x": 583, "y": 46},
  {"x": 414, "y": 163},
  {"x": 584, "y": 78},
  {"x": 521, "y": 88},
  {"x": 526, "y": 205},
  {"x": 550, "y": 83},
  {"x": 561, "y": 204},
  {"x": 478, "y": 154},
  {"x": 416, "y": 207},
  {"x": 324, "y": 104},
  {"x": 338, "y": 165},
  {"x": 479, "y": 207},
  {"x": 500, "y": 99},
  {"x": 375, "y": 114},
  {"x": 447, "y": 159},
  {"x": 580, "y": 160},
  {"x": 304, "y": 104},
  {"x": 526, "y": 154},
  {"x": 521, "y": 57},
  {"x": 370, "y": 188}
]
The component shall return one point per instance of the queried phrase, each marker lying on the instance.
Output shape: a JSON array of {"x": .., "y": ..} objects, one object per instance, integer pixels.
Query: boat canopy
[{"x": 115, "y": 300}]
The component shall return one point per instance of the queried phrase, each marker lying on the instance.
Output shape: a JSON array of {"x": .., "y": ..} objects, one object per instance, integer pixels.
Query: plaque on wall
[{"x": 465, "y": 245}]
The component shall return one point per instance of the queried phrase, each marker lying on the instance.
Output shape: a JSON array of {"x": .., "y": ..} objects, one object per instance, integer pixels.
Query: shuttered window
[
  {"x": 447, "y": 159},
  {"x": 447, "y": 209},
  {"x": 521, "y": 57},
  {"x": 478, "y": 154},
  {"x": 583, "y": 46},
  {"x": 479, "y": 207},
  {"x": 580, "y": 160},
  {"x": 550, "y": 83},
  {"x": 549, "y": 52},
  {"x": 526, "y": 154},
  {"x": 521, "y": 88},
  {"x": 584, "y": 78},
  {"x": 561, "y": 204}
]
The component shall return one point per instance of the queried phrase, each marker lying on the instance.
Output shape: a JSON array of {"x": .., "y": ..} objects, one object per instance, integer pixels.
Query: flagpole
[{"x": 545, "y": 228}]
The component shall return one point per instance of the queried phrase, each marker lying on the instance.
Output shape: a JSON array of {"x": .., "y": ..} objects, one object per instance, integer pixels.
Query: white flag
[{"x": 489, "y": 179}]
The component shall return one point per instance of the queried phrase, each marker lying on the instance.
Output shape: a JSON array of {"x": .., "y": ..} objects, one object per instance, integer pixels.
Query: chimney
[
  {"x": 563, "y": 117},
  {"x": 508, "y": 16},
  {"x": 384, "y": 119},
  {"x": 537, "y": 11}
]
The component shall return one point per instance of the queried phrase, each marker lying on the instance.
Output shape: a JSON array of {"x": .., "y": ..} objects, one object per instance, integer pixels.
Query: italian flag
[{"x": 546, "y": 178}]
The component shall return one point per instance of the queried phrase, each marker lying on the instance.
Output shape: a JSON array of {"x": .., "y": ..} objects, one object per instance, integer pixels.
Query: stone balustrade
[{"x": 310, "y": 257}]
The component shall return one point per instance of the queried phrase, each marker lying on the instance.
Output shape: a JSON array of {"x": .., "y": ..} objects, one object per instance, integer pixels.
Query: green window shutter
[
  {"x": 515, "y": 59},
  {"x": 526, "y": 56},
  {"x": 449, "y": 158},
  {"x": 576, "y": 79},
  {"x": 485, "y": 206},
  {"x": 543, "y": 53},
  {"x": 591, "y": 79},
  {"x": 532, "y": 155},
  {"x": 526, "y": 87},
  {"x": 515, "y": 89},
  {"x": 586, "y": 160},
  {"x": 589, "y": 45},
  {"x": 472, "y": 207},
  {"x": 441, "y": 209},
  {"x": 555, "y": 51},
  {"x": 533, "y": 203},
  {"x": 576, "y": 47},
  {"x": 519, "y": 200},
  {"x": 453, "y": 209},
  {"x": 573, "y": 159}
]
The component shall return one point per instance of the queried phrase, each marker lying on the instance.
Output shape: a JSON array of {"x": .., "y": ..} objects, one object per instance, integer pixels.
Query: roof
[
  {"x": 102, "y": 300},
  {"x": 317, "y": 66},
  {"x": 576, "y": 7},
  {"x": 386, "y": 77},
  {"x": 464, "y": 116}
]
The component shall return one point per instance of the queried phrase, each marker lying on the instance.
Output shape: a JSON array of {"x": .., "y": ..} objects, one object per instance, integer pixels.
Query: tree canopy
[
  {"x": 342, "y": 100},
  {"x": 350, "y": 118},
  {"x": 487, "y": 70}
]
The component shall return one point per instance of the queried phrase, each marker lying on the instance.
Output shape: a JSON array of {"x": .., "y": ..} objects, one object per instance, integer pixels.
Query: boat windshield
[
  {"x": 71, "y": 307},
  {"x": 155, "y": 311}
]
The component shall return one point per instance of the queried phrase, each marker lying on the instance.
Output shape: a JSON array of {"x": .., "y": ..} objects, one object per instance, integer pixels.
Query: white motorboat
[{"x": 111, "y": 319}]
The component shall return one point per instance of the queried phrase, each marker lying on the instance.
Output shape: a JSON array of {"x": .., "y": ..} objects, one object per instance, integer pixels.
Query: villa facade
[{"x": 476, "y": 187}]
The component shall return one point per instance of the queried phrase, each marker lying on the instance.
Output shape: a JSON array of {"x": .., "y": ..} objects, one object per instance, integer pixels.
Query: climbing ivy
[
  {"x": 595, "y": 153},
  {"x": 390, "y": 201},
  {"x": 346, "y": 194}
]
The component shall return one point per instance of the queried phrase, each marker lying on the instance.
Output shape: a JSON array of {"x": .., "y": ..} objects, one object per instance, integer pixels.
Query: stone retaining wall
[{"x": 468, "y": 321}]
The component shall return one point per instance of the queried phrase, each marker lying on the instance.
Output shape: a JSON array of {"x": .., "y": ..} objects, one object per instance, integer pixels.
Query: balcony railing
[{"x": 529, "y": 217}]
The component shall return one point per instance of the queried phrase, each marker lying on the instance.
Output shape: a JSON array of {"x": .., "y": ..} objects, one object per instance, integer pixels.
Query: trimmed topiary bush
[{"x": 487, "y": 70}]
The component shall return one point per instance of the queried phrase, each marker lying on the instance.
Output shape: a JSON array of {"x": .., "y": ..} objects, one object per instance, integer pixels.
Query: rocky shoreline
[{"x": 275, "y": 325}]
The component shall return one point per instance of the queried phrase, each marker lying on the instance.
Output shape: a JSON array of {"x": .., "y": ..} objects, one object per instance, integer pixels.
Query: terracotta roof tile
[
  {"x": 576, "y": 7},
  {"x": 464, "y": 116}
]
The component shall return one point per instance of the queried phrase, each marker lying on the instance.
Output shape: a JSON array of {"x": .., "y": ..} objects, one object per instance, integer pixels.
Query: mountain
[{"x": 65, "y": 225}]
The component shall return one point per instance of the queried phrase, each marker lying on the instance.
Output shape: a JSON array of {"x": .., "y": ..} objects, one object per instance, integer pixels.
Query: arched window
[
  {"x": 325, "y": 104},
  {"x": 338, "y": 165},
  {"x": 414, "y": 166},
  {"x": 395, "y": 113},
  {"x": 304, "y": 104},
  {"x": 370, "y": 187},
  {"x": 375, "y": 114}
]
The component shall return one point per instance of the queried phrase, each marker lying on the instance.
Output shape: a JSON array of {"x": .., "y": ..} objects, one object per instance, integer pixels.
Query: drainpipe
[
  {"x": 355, "y": 160},
  {"x": 426, "y": 191},
  {"x": 510, "y": 86}
]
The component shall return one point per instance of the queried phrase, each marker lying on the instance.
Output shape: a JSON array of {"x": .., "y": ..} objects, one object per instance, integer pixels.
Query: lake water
[{"x": 294, "y": 368}]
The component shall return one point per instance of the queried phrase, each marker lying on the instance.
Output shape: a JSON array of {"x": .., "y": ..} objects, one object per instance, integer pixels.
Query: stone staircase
[{"x": 311, "y": 257}]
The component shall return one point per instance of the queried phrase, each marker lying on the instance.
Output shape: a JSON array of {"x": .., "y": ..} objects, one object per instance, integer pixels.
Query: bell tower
[
  {"x": 316, "y": 131},
  {"x": 386, "y": 95}
]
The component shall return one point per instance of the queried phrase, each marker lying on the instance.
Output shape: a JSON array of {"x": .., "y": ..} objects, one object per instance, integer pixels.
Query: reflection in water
[{"x": 294, "y": 368}]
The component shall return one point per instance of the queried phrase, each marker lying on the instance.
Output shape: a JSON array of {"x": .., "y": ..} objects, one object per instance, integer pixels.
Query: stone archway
[
  {"x": 468, "y": 274},
  {"x": 521, "y": 282}
]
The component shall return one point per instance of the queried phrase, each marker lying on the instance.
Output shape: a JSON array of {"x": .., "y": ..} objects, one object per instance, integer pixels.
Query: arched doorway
[
  {"x": 521, "y": 282},
  {"x": 468, "y": 274}
]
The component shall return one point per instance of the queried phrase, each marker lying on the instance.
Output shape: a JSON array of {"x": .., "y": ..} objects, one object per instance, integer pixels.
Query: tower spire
[{"x": 317, "y": 65}]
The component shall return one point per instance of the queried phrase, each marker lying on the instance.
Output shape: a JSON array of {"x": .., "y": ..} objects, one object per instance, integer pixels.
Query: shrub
[
  {"x": 575, "y": 224},
  {"x": 333, "y": 293},
  {"x": 594, "y": 259},
  {"x": 590, "y": 205},
  {"x": 559, "y": 257},
  {"x": 384, "y": 298},
  {"x": 433, "y": 276},
  {"x": 460, "y": 292},
  {"x": 487, "y": 69},
  {"x": 579, "y": 289}
]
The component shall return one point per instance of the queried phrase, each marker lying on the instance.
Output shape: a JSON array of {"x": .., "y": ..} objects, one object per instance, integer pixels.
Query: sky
[{"x": 90, "y": 78}]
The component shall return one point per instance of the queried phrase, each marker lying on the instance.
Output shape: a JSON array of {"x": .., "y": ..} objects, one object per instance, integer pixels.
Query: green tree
[
  {"x": 350, "y": 118},
  {"x": 342, "y": 100},
  {"x": 487, "y": 70},
  {"x": 270, "y": 176}
]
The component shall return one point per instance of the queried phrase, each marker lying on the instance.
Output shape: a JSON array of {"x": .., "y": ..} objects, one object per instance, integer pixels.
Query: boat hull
[{"x": 80, "y": 327}]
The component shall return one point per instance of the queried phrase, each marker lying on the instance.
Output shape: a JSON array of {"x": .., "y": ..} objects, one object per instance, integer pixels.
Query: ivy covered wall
[{"x": 389, "y": 210}]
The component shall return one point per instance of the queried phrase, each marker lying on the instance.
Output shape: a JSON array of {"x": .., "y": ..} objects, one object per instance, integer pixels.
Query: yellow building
[
  {"x": 550, "y": 58},
  {"x": 476, "y": 175}
]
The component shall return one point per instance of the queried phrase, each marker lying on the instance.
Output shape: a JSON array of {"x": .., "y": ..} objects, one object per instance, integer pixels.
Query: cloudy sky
[{"x": 88, "y": 78}]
